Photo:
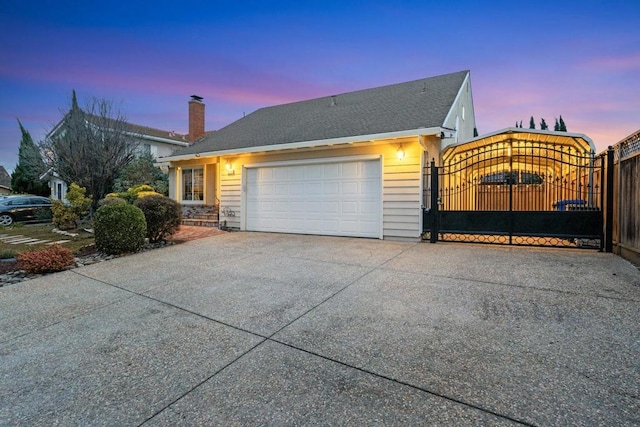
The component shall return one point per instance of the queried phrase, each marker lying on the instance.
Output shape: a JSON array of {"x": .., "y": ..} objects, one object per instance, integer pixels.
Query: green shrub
[
  {"x": 66, "y": 217},
  {"x": 53, "y": 258},
  {"x": 119, "y": 228},
  {"x": 142, "y": 194},
  {"x": 110, "y": 200},
  {"x": 163, "y": 216},
  {"x": 63, "y": 216},
  {"x": 8, "y": 254},
  {"x": 134, "y": 193}
]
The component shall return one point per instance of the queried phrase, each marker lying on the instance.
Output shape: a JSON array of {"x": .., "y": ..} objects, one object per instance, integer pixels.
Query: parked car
[{"x": 24, "y": 208}]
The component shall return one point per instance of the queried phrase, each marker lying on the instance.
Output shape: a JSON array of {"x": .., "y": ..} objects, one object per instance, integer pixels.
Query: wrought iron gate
[{"x": 517, "y": 193}]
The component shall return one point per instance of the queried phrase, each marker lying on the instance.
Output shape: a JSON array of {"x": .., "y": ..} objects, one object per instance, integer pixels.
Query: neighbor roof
[
  {"x": 159, "y": 133},
  {"x": 417, "y": 104},
  {"x": 5, "y": 178},
  {"x": 138, "y": 130}
]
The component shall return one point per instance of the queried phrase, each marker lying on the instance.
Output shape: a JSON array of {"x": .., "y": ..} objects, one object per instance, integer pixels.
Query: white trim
[
  {"x": 381, "y": 217},
  {"x": 308, "y": 144},
  {"x": 457, "y": 98},
  {"x": 321, "y": 160},
  {"x": 157, "y": 139},
  {"x": 204, "y": 185},
  {"x": 423, "y": 202}
]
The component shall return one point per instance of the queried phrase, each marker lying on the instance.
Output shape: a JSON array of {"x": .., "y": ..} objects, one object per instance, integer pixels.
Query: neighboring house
[
  {"x": 343, "y": 165},
  {"x": 5, "y": 181},
  {"x": 156, "y": 142}
]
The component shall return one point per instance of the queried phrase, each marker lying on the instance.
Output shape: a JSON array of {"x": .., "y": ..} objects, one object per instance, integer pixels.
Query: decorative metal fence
[{"x": 516, "y": 192}]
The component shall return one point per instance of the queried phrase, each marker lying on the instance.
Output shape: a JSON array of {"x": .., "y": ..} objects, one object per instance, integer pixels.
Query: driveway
[{"x": 271, "y": 329}]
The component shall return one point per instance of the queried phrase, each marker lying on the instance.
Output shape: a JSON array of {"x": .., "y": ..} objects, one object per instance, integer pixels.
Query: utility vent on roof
[{"x": 333, "y": 101}]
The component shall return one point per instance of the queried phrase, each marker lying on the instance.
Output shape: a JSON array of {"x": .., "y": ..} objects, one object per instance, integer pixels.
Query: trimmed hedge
[
  {"x": 162, "y": 213},
  {"x": 119, "y": 228}
]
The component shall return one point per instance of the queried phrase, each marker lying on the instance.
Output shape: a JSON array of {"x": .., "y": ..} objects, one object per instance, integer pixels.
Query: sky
[{"x": 578, "y": 59}]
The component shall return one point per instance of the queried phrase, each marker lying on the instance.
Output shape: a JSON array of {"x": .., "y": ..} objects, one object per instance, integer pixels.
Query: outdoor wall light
[
  {"x": 230, "y": 170},
  {"x": 400, "y": 153}
]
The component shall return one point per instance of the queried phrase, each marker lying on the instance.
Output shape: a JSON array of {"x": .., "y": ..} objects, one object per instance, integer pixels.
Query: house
[
  {"x": 344, "y": 165},
  {"x": 5, "y": 181},
  {"x": 156, "y": 142}
]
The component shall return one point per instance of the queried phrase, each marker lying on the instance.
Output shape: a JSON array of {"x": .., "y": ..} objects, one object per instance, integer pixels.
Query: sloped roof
[
  {"x": 142, "y": 131},
  {"x": 417, "y": 104},
  {"x": 159, "y": 133}
]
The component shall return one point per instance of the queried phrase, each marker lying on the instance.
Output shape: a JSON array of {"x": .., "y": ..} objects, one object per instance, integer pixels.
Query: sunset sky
[{"x": 578, "y": 59}]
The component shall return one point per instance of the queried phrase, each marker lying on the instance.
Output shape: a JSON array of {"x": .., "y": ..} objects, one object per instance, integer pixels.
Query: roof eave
[
  {"x": 158, "y": 139},
  {"x": 456, "y": 99},
  {"x": 307, "y": 144}
]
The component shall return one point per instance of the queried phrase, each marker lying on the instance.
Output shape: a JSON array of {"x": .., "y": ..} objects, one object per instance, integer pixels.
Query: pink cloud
[{"x": 615, "y": 63}]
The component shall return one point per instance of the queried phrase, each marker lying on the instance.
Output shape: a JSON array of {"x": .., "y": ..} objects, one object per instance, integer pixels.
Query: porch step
[
  {"x": 200, "y": 222},
  {"x": 203, "y": 216}
]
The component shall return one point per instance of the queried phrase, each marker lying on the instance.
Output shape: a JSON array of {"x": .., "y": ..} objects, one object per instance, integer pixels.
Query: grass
[{"x": 42, "y": 232}]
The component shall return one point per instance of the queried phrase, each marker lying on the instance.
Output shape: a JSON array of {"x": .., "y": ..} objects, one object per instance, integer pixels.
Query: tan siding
[
  {"x": 401, "y": 193},
  {"x": 230, "y": 199},
  {"x": 401, "y": 182}
]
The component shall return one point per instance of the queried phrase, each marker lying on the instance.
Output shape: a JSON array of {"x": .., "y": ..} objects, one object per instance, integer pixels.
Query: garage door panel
[{"x": 334, "y": 198}]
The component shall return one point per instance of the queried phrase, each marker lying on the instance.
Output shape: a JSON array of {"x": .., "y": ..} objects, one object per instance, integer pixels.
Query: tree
[
  {"x": 142, "y": 171},
  {"x": 532, "y": 124},
  {"x": 556, "y": 127},
  {"x": 561, "y": 126},
  {"x": 26, "y": 176},
  {"x": 90, "y": 147},
  {"x": 543, "y": 124}
]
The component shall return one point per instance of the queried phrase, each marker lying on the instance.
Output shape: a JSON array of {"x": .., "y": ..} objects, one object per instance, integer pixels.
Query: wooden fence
[{"x": 626, "y": 198}]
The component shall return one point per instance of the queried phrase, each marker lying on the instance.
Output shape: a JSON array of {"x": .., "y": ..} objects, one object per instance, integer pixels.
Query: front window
[{"x": 193, "y": 184}]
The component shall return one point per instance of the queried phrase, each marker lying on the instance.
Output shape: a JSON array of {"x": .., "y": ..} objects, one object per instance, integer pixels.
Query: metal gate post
[
  {"x": 435, "y": 188},
  {"x": 608, "y": 229}
]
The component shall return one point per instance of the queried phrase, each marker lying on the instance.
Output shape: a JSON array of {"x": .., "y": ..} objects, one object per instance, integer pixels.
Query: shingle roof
[
  {"x": 412, "y": 105},
  {"x": 145, "y": 130},
  {"x": 130, "y": 127}
]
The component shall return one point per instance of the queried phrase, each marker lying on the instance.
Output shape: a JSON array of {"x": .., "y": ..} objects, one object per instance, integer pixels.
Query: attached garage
[
  {"x": 348, "y": 164},
  {"x": 326, "y": 197}
]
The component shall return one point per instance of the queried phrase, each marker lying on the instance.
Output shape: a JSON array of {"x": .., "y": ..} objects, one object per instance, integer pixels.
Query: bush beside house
[
  {"x": 162, "y": 214},
  {"x": 119, "y": 228},
  {"x": 66, "y": 217}
]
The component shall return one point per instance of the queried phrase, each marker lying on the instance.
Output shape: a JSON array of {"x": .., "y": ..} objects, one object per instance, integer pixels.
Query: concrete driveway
[{"x": 271, "y": 329}]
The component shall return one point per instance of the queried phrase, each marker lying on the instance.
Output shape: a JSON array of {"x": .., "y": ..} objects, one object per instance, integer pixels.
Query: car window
[
  {"x": 40, "y": 201},
  {"x": 20, "y": 201}
]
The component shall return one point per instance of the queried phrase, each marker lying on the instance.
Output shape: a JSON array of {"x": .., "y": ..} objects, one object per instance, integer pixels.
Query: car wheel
[{"x": 6, "y": 219}]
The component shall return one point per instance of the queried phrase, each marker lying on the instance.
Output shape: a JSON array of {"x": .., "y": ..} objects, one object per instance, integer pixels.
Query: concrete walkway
[{"x": 269, "y": 329}]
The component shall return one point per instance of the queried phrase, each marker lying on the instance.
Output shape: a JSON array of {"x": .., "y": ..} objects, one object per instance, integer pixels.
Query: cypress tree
[
  {"x": 543, "y": 124},
  {"x": 561, "y": 125}
]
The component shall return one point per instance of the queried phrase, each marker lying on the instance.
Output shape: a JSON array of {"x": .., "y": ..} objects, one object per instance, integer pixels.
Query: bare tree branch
[{"x": 91, "y": 146}]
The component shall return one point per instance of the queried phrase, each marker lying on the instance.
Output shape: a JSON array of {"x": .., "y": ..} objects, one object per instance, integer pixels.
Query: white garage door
[{"x": 338, "y": 199}]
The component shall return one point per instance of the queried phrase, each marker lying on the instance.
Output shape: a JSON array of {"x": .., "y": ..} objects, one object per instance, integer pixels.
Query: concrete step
[
  {"x": 197, "y": 222},
  {"x": 203, "y": 216}
]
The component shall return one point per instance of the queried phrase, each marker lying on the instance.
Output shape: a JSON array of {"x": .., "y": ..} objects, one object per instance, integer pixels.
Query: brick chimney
[{"x": 196, "y": 118}]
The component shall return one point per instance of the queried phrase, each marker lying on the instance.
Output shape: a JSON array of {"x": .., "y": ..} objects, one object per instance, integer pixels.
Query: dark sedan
[{"x": 24, "y": 209}]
